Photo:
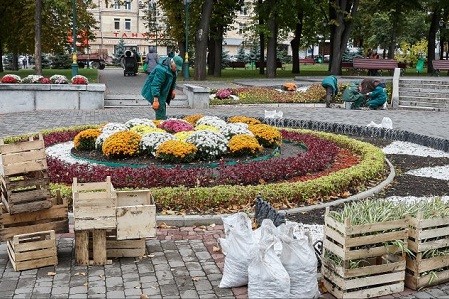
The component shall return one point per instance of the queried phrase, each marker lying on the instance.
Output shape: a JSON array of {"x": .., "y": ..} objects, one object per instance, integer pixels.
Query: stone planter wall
[{"x": 29, "y": 97}]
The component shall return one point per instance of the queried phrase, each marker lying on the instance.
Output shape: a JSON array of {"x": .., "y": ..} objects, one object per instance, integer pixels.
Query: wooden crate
[
  {"x": 35, "y": 250},
  {"x": 136, "y": 215},
  {"x": 124, "y": 248},
  {"x": 24, "y": 183},
  {"x": 424, "y": 235},
  {"x": 91, "y": 243},
  {"x": 380, "y": 270},
  {"x": 94, "y": 205},
  {"x": 54, "y": 218}
]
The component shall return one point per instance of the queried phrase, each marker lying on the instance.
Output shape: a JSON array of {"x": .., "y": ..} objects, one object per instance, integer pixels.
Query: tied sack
[
  {"x": 299, "y": 260},
  {"x": 267, "y": 277},
  {"x": 237, "y": 246}
]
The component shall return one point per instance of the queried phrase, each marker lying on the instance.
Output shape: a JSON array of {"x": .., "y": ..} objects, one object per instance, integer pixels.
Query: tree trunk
[
  {"x": 1, "y": 55},
  {"x": 296, "y": 69},
  {"x": 432, "y": 39},
  {"x": 392, "y": 45},
  {"x": 37, "y": 38},
  {"x": 218, "y": 57},
  {"x": 211, "y": 57},
  {"x": 271, "y": 47},
  {"x": 201, "y": 38},
  {"x": 261, "y": 44},
  {"x": 340, "y": 31}
]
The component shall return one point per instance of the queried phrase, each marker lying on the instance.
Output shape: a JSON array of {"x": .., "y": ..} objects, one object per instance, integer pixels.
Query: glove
[{"x": 155, "y": 104}]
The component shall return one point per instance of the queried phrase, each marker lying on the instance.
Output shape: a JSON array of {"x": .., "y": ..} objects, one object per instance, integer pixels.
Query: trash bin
[{"x": 420, "y": 64}]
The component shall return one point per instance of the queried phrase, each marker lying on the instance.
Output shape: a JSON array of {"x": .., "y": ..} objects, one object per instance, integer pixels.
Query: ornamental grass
[
  {"x": 244, "y": 145},
  {"x": 267, "y": 136},
  {"x": 121, "y": 144},
  {"x": 85, "y": 140},
  {"x": 176, "y": 151}
]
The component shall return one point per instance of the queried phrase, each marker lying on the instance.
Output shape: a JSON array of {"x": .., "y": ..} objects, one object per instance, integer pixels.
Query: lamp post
[
  {"x": 186, "y": 56},
  {"x": 74, "y": 57}
]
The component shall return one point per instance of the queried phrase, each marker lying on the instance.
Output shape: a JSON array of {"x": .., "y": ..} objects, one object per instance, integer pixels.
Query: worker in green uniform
[{"x": 160, "y": 85}]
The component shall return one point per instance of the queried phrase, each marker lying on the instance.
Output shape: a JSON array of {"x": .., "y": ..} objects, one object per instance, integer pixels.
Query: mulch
[{"x": 402, "y": 185}]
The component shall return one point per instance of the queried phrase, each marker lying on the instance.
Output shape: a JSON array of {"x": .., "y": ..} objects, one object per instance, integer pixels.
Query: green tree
[{"x": 241, "y": 55}]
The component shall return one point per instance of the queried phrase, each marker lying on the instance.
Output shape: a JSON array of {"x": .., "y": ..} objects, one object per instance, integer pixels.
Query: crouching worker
[
  {"x": 331, "y": 86},
  {"x": 160, "y": 85},
  {"x": 378, "y": 97}
]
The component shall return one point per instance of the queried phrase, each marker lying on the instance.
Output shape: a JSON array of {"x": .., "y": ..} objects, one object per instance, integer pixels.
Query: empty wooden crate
[
  {"x": 136, "y": 215},
  {"x": 363, "y": 261},
  {"x": 35, "y": 250},
  {"x": 124, "y": 248},
  {"x": 94, "y": 205},
  {"x": 24, "y": 183}
]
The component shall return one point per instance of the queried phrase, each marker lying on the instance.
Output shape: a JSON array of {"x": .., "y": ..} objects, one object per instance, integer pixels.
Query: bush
[
  {"x": 85, "y": 140},
  {"x": 121, "y": 144},
  {"x": 266, "y": 135},
  {"x": 244, "y": 145},
  {"x": 176, "y": 151}
]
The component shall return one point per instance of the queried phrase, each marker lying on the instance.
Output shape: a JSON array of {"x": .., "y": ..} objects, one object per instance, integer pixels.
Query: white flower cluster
[
  {"x": 139, "y": 121},
  {"x": 32, "y": 79},
  {"x": 211, "y": 121},
  {"x": 150, "y": 142},
  {"x": 108, "y": 130},
  {"x": 235, "y": 129},
  {"x": 59, "y": 79},
  {"x": 209, "y": 144}
]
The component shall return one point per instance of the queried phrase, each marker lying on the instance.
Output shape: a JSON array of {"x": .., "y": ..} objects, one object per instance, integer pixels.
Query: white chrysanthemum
[
  {"x": 209, "y": 144},
  {"x": 139, "y": 121},
  {"x": 235, "y": 129},
  {"x": 114, "y": 127},
  {"x": 211, "y": 121},
  {"x": 102, "y": 137},
  {"x": 150, "y": 142},
  {"x": 59, "y": 79},
  {"x": 32, "y": 79}
]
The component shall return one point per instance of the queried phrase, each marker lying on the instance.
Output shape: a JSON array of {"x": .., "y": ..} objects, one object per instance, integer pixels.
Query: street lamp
[
  {"x": 74, "y": 57},
  {"x": 186, "y": 57}
]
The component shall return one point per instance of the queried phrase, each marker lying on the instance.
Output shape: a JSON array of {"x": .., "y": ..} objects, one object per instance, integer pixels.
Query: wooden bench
[
  {"x": 237, "y": 64},
  {"x": 440, "y": 65},
  {"x": 374, "y": 64},
  {"x": 307, "y": 60},
  {"x": 278, "y": 64}
]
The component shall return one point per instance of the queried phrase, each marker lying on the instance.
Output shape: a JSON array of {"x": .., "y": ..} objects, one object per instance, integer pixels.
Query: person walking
[
  {"x": 160, "y": 84},
  {"x": 151, "y": 60}
]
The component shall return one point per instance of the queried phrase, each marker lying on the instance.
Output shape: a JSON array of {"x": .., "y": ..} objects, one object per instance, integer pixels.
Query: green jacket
[
  {"x": 330, "y": 81},
  {"x": 351, "y": 93},
  {"x": 160, "y": 83}
]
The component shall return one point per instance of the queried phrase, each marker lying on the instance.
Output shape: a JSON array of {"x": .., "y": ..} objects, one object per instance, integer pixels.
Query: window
[
  {"x": 244, "y": 10},
  {"x": 127, "y": 24},
  {"x": 128, "y": 5},
  {"x": 242, "y": 28},
  {"x": 117, "y": 24},
  {"x": 117, "y": 4}
]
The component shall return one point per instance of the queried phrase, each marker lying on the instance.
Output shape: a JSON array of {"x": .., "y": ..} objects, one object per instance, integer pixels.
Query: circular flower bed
[{"x": 285, "y": 181}]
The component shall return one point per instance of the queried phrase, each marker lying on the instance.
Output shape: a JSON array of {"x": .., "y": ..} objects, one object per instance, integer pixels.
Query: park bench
[
  {"x": 237, "y": 64},
  {"x": 440, "y": 65},
  {"x": 278, "y": 64},
  {"x": 307, "y": 60},
  {"x": 374, "y": 64}
]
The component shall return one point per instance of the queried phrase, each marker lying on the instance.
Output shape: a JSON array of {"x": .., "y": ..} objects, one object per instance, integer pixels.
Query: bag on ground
[
  {"x": 299, "y": 260},
  {"x": 237, "y": 246},
  {"x": 267, "y": 277}
]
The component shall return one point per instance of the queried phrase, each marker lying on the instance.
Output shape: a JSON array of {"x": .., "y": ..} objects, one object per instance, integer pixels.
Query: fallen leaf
[
  {"x": 215, "y": 249},
  {"x": 144, "y": 296},
  {"x": 212, "y": 225},
  {"x": 86, "y": 284},
  {"x": 195, "y": 278},
  {"x": 51, "y": 273},
  {"x": 80, "y": 273}
]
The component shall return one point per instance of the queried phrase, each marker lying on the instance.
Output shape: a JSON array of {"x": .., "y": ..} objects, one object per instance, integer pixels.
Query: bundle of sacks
[{"x": 275, "y": 262}]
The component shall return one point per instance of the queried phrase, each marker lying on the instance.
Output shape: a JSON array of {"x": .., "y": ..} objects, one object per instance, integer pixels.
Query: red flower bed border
[{"x": 320, "y": 155}]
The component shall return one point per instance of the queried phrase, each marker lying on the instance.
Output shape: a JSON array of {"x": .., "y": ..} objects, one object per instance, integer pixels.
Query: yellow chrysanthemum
[
  {"x": 176, "y": 151},
  {"x": 268, "y": 136},
  {"x": 121, "y": 144},
  {"x": 207, "y": 128},
  {"x": 244, "y": 119},
  {"x": 243, "y": 144},
  {"x": 85, "y": 140}
]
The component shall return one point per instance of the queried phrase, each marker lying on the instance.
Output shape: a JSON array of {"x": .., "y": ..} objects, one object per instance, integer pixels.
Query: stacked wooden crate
[
  {"x": 24, "y": 183},
  {"x": 429, "y": 242},
  {"x": 361, "y": 261},
  {"x": 29, "y": 215},
  {"x": 110, "y": 223}
]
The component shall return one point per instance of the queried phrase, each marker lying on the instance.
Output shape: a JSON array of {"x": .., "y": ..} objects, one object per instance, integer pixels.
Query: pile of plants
[
  {"x": 38, "y": 79},
  {"x": 263, "y": 95}
]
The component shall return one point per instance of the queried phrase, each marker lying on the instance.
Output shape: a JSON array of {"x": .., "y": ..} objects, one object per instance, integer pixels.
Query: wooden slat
[
  {"x": 13, "y": 148},
  {"x": 373, "y": 239},
  {"x": 91, "y": 197},
  {"x": 136, "y": 197},
  {"x": 24, "y": 196},
  {"x": 23, "y": 247},
  {"x": 135, "y": 222},
  {"x": 25, "y": 167},
  {"x": 56, "y": 212},
  {"x": 60, "y": 226},
  {"x": 28, "y": 182},
  {"x": 23, "y": 157},
  {"x": 99, "y": 247},
  {"x": 376, "y": 227},
  {"x": 103, "y": 223},
  {"x": 29, "y": 206},
  {"x": 367, "y": 270},
  {"x": 82, "y": 247}
]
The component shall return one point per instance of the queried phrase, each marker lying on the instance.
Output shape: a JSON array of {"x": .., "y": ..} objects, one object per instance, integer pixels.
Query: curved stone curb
[{"x": 195, "y": 220}]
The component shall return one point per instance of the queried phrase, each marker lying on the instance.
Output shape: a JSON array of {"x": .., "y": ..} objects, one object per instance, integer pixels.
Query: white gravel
[
  {"x": 61, "y": 151},
  {"x": 412, "y": 149}
]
